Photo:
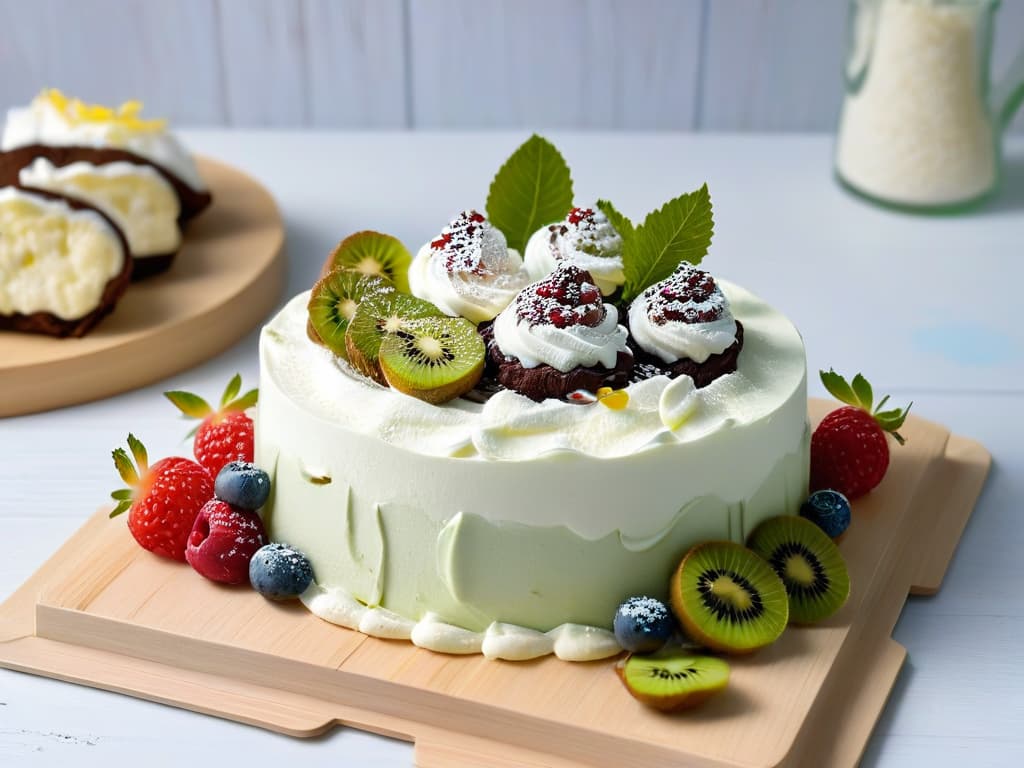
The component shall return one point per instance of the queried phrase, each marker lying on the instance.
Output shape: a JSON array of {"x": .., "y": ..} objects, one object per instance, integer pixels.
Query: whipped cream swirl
[
  {"x": 468, "y": 270},
  {"x": 560, "y": 321},
  {"x": 585, "y": 238},
  {"x": 683, "y": 316}
]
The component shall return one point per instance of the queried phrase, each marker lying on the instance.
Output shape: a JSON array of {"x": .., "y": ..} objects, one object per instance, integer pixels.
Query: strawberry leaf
[
  {"x": 678, "y": 231},
  {"x": 893, "y": 419},
  {"x": 191, "y": 405},
  {"x": 622, "y": 224},
  {"x": 124, "y": 494},
  {"x": 124, "y": 466},
  {"x": 862, "y": 389},
  {"x": 138, "y": 453},
  {"x": 121, "y": 507},
  {"x": 248, "y": 400},
  {"x": 838, "y": 387},
  {"x": 532, "y": 188},
  {"x": 232, "y": 390}
]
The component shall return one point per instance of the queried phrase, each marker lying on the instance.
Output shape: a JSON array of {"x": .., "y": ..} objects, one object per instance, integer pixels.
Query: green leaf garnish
[
  {"x": 191, "y": 405},
  {"x": 838, "y": 387},
  {"x": 622, "y": 224},
  {"x": 231, "y": 390},
  {"x": 532, "y": 188},
  {"x": 679, "y": 231}
]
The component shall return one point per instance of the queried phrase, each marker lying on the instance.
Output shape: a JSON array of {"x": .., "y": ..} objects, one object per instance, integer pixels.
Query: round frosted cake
[{"x": 513, "y": 527}]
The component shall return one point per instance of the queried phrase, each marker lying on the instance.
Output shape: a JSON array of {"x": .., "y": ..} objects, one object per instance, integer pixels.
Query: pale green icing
[{"x": 470, "y": 571}]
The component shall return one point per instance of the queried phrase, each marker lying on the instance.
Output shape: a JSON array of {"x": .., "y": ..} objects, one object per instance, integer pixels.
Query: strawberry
[
  {"x": 849, "y": 449},
  {"x": 224, "y": 435},
  {"x": 164, "y": 499}
]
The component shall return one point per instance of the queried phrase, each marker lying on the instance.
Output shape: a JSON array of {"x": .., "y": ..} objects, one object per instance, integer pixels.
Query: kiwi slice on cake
[
  {"x": 375, "y": 318},
  {"x": 809, "y": 564},
  {"x": 728, "y": 598},
  {"x": 333, "y": 302},
  {"x": 670, "y": 680},
  {"x": 435, "y": 358},
  {"x": 373, "y": 253}
]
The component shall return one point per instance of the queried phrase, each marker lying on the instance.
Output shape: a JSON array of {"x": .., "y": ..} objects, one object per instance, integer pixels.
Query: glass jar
[{"x": 921, "y": 128}]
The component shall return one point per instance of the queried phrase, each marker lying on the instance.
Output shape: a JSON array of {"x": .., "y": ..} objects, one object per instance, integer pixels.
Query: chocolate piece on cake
[
  {"x": 702, "y": 374},
  {"x": 552, "y": 321},
  {"x": 96, "y": 231},
  {"x": 193, "y": 201}
]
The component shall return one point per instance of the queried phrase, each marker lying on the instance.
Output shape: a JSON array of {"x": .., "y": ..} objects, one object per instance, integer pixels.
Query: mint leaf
[
  {"x": 622, "y": 224},
  {"x": 679, "y": 231},
  {"x": 532, "y": 188}
]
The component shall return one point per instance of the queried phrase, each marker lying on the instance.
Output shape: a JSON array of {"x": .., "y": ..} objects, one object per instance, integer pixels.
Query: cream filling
[
  {"x": 562, "y": 348},
  {"x": 474, "y": 297},
  {"x": 136, "y": 197},
  {"x": 42, "y": 123},
  {"x": 53, "y": 258}
]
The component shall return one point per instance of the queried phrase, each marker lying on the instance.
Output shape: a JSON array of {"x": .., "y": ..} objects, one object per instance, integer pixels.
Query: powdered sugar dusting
[
  {"x": 564, "y": 298},
  {"x": 585, "y": 231},
  {"x": 645, "y": 611},
  {"x": 689, "y": 295}
]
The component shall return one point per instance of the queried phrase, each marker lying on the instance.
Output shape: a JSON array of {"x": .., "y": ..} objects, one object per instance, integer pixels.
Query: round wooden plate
[{"x": 227, "y": 277}]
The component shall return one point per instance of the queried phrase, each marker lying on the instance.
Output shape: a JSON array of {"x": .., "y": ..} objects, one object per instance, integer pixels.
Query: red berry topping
[
  {"x": 224, "y": 435},
  {"x": 576, "y": 215},
  {"x": 223, "y": 541},
  {"x": 462, "y": 243},
  {"x": 163, "y": 500},
  {"x": 849, "y": 448},
  {"x": 564, "y": 298},
  {"x": 689, "y": 295}
]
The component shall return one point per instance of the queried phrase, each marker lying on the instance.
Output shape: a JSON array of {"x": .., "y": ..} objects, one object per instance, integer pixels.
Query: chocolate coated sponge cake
[{"x": 63, "y": 264}]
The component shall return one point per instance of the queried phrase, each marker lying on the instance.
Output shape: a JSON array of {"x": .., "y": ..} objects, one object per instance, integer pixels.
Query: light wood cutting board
[
  {"x": 103, "y": 612},
  {"x": 227, "y": 277}
]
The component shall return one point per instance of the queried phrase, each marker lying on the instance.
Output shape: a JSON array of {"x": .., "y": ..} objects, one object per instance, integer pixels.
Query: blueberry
[
  {"x": 243, "y": 485},
  {"x": 279, "y": 572},
  {"x": 829, "y": 510},
  {"x": 643, "y": 624}
]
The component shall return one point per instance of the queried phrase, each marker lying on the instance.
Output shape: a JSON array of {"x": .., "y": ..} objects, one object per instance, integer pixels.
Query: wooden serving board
[
  {"x": 226, "y": 278},
  {"x": 103, "y": 612}
]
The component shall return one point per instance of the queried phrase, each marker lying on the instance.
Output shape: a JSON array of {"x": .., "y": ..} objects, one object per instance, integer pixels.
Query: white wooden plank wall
[{"x": 717, "y": 65}]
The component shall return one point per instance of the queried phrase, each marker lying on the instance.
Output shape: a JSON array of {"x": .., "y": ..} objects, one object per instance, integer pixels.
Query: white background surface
[
  {"x": 706, "y": 65},
  {"x": 928, "y": 308}
]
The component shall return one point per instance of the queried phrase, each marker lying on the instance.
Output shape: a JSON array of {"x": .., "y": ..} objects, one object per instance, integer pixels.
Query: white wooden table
[{"x": 928, "y": 308}]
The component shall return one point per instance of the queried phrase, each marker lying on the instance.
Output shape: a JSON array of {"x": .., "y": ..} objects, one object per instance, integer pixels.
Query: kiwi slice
[
  {"x": 809, "y": 564},
  {"x": 728, "y": 598},
  {"x": 333, "y": 302},
  {"x": 375, "y": 318},
  {"x": 670, "y": 680},
  {"x": 435, "y": 358},
  {"x": 373, "y": 253}
]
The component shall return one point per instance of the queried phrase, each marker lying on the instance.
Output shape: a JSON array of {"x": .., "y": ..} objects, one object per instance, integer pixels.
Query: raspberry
[{"x": 223, "y": 541}]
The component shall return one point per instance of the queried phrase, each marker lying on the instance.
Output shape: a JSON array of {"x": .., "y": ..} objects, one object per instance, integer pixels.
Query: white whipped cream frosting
[
  {"x": 478, "y": 294},
  {"x": 136, "y": 197},
  {"x": 562, "y": 348},
  {"x": 53, "y": 258},
  {"x": 675, "y": 339},
  {"x": 595, "y": 247},
  {"x": 510, "y": 426},
  {"x": 42, "y": 123}
]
